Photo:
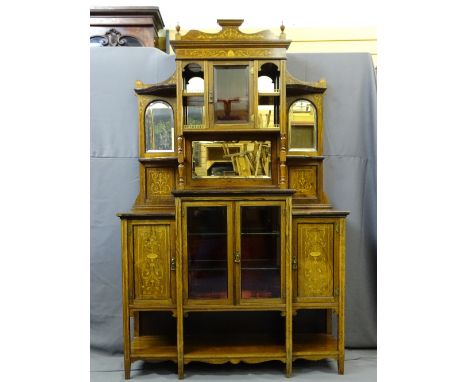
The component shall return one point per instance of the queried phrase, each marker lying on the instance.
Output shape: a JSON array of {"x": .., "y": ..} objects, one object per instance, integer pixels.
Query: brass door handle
[
  {"x": 210, "y": 97},
  {"x": 237, "y": 257},
  {"x": 173, "y": 264}
]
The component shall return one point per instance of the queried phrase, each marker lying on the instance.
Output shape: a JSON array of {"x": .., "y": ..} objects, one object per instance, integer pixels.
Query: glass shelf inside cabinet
[
  {"x": 207, "y": 252},
  {"x": 268, "y": 83},
  {"x": 193, "y": 96},
  {"x": 260, "y": 252}
]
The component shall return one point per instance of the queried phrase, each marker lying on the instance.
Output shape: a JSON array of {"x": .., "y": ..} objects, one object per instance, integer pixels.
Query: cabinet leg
[
  {"x": 340, "y": 363},
  {"x": 288, "y": 369},
  {"x": 127, "y": 368},
  {"x": 180, "y": 370}
]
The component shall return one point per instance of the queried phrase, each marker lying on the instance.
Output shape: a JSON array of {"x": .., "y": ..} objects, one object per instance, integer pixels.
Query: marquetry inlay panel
[
  {"x": 303, "y": 180},
  {"x": 151, "y": 245},
  {"x": 159, "y": 182},
  {"x": 315, "y": 260},
  {"x": 229, "y": 53},
  {"x": 227, "y": 33}
]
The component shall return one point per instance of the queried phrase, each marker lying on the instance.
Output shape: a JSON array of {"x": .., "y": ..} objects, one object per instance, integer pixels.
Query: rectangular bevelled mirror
[
  {"x": 231, "y": 159},
  {"x": 231, "y": 94}
]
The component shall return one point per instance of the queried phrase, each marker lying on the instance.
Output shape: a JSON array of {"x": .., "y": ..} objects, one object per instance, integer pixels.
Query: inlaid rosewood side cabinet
[{"x": 232, "y": 251}]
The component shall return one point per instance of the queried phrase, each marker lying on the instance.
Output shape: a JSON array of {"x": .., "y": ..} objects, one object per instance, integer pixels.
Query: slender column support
[
  {"x": 179, "y": 286},
  {"x": 288, "y": 250},
  {"x": 283, "y": 180},
  {"x": 125, "y": 311}
]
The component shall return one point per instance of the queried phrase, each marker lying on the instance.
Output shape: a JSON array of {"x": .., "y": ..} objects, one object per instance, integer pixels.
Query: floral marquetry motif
[
  {"x": 224, "y": 53},
  {"x": 160, "y": 182},
  {"x": 227, "y": 33},
  {"x": 151, "y": 251},
  {"x": 303, "y": 180},
  {"x": 316, "y": 260}
]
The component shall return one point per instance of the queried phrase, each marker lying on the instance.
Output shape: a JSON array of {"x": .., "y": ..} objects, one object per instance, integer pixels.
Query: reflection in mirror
[
  {"x": 159, "y": 127},
  {"x": 268, "y": 111},
  {"x": 193, "y": 112},
  {"x": 231, "y": 93},
  {"x": 302, "y": 126},
  {"x": 231, "y": 159}
]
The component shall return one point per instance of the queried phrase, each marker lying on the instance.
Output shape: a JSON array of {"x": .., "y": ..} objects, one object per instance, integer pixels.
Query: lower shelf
[
  {"x": 153, "y": 347},
  {"x": 249, "y": 348},
  {"x": 315, "y": 346},
  {"x": 234, "y": 349}
]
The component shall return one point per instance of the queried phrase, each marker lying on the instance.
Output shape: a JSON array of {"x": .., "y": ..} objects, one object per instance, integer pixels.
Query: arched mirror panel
[
  {"x": 159, "y": 127},
  {"x": 302, "y": 126}
]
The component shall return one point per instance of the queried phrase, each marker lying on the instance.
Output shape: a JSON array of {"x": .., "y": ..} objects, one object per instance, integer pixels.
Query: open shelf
[
  {"x": 314, "y": 346},
  {"x": 231, "y": 130},
  {"x": 275, "y": 93},
  {"x": 261, "y": 233},
  {"x": 206, "y": 234},
  {"x": 193, "y": 94},
  {"x": 154, "y": 347},
  {"x": 220, "y": 337},
  {"x": 234, "y": 347}
]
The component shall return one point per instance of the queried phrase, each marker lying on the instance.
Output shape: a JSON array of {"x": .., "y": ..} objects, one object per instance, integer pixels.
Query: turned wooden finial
[
  {"x": 282, "y": 27},
  {"x": 177, "y": 28}
]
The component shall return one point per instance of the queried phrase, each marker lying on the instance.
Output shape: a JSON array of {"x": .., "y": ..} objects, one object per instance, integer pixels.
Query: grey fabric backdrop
[{"x": 350, "y": 173}]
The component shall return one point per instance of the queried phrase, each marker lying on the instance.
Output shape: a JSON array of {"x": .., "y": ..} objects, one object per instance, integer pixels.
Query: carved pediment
[
  {"x": 229, "y": 31},
  {"x": 229, "y": 39}
]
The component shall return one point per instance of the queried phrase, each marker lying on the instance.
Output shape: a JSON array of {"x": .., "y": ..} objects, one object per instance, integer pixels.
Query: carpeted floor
[{"x": 360, "y": 366}]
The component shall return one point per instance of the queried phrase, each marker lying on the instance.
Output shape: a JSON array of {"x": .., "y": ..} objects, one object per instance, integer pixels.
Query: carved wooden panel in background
[
  {"x": 315, "y": 260},
  {"x": 159, "y": 182},
  {"x": 151, "y": 245},
  {"x": 303, "y": 180}
]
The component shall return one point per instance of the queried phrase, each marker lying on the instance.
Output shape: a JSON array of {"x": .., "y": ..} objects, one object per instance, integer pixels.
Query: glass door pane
[
  {"x": 260, "y": 252},
  {"x": 207, "y": 248},
  {"x": 231, "y": 94}
]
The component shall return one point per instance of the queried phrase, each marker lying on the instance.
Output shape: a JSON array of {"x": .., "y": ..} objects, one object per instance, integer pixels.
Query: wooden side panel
[
  {"x": 152, "y": 257},
  {"x": 315, "y": 243}
]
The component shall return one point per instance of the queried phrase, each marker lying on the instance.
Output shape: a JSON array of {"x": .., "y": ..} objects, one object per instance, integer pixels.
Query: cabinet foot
[
  {"x": 340, "y": 363},
  {"x": 180, "y": 370},
  {"x": 288, "y": 369},
  {"x": 127, "y": 368}
]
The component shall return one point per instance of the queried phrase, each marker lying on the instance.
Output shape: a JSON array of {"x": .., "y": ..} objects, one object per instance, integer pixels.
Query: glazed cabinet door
[
  {"x": 258, "y": 255},
  {"x": 152, "y": 262},
  {"x": 315, "y": 259},
  {"x": 207, "y": 252},
  {"x": 230, "y": 95}
]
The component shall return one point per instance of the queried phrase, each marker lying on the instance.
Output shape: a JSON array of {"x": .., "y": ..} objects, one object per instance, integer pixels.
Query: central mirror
[{"x": 231, "y": 159}]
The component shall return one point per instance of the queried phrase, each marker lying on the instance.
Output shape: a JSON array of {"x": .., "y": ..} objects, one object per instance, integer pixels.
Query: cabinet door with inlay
[
  {"x": 153, "y": 261},
  {"x": 314, "y": 259}
]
